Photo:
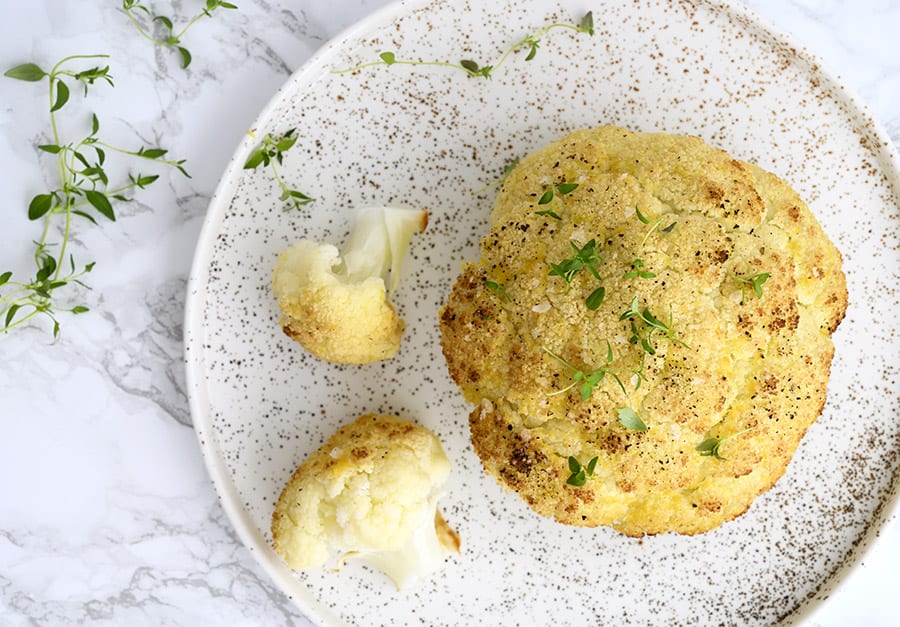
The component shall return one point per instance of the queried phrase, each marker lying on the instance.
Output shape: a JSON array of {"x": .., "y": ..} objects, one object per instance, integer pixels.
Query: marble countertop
[{"x": 107, "y": 514}]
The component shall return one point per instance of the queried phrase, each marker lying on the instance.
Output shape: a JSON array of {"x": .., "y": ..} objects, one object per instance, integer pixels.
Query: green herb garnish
[
  {"x": 586, "y": 23},
  {"x": 498, "y": 289},
  {"x": 637, "y": 272},
  {"x": 585, "y": 257},
  {"x": 710, "y": 446},
  {"x": 169, "y": 38},
  {"x": 668, "y": 229},
  {"x": 82, "y": 190},
  {"x": 587, "y": 380},
  {"x": 630, "y": 419},
  {"x": 473, "y": 68},
  {"x": 549, "y": 213},
  {"x": 639, "y": 372},
  {"x": 755, "y": 281},
  {"x": 596, "y": 298},
  {"x": 507, "y": 170},
  {"x": 271, "y": 151},
  {"x": 580, "y": 473},
  {"x": 556, "y": 191},
  {"x": 653, "y": 328},
  {"x": 637, "y": 265}
]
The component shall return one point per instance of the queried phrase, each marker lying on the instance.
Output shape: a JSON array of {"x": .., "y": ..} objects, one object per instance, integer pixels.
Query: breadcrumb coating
[
  {"x": 340, "y": 322},
  {"x": 752, "y": 369}
]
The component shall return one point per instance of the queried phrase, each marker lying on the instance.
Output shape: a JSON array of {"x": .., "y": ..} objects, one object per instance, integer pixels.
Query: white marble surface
[{"x": 106, "y": 511}]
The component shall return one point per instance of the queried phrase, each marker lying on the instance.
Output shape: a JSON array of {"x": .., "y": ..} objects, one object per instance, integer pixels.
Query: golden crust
[
  {"x": 343, "y": 324},
  {"x": 755, "y": 368}
]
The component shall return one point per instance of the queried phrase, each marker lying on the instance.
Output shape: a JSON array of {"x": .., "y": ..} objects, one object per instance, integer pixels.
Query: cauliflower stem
[{"x": 422, "y": 554}]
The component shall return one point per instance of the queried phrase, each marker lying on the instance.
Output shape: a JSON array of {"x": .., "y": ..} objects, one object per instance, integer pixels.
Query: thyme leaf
[
  {"x": 754, "y": 281},
  {"x": 710, "y": 446},
  {"x": 587, "y": 380},
  {"x": 585, "y": 257},
  {"x": 169, "y": 38},
  {"x": 472, "y": 68},
  {"x": 580, "y": 473},
  {"x": 270, "y": 152},
  {"x": 498, "y": 289},
  {"x": 630, "y": 419},
  {"x": 82, "y": 189},
  {"x": 651, "y": 329}
]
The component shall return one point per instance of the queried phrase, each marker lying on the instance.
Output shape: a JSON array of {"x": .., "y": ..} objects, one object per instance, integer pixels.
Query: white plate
[{"x": 429, "y": 137}]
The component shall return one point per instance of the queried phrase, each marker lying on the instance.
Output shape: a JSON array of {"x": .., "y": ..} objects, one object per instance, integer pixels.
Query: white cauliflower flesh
[
  {"x": 370, "y": 492},
  {"x": 335, "y": 304}
]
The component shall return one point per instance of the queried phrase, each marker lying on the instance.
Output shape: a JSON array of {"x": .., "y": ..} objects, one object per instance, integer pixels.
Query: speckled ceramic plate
[{"x": 429, "y": 137}]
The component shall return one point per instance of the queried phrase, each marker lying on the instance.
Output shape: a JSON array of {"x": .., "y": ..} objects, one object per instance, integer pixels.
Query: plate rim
[
  {"x": 196, "y": 291},
  {"x": 278, "y": 572}
]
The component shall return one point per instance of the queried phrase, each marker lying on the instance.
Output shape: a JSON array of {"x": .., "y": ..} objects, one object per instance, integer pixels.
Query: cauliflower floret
[
  {"x": 369, "y": 492},
  {"x": 335, "y": 304}
]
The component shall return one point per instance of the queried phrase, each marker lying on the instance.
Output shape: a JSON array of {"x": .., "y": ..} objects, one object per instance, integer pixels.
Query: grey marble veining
[{"x": 107, "y": 514}]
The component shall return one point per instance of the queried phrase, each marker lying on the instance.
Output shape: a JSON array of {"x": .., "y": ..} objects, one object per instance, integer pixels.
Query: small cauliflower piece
[
  {"x": 335, "y": 303},
  {"x": 369, "y": 492}
]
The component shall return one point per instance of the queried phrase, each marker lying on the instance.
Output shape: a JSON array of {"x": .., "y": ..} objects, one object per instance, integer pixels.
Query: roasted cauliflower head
[{"x": 646, "y": 337}]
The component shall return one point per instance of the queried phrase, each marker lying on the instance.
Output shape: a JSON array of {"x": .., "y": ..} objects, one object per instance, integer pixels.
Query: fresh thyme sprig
[
  {"x": 560, "y": 190},
  {"x": 170, "y": 38},
  {"x": 498, "y": 289},
  {"x": 507, "y": 170},
  {"x": 473, "y": 68},
  {"x": 587, "y": 380},
  {"x": 271, "y": 151},
  {"x": 710, "y": 446},
  {"x": 580, "y": 473},
  {"x": 754, "y": 281},
  {"x": 585, "y": 257},
  {"x": 637, "y": 265},
  {"x": 556, "y": 191},
  {"x": 638, "y": 375},
  {"x": 637, "y": 271},
  {"x": 83, "y": 185},
  {"x": 653, "y": 328}
]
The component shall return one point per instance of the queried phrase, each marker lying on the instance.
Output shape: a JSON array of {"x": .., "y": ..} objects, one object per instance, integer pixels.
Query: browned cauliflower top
[{"x": 714, "y": 355}]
